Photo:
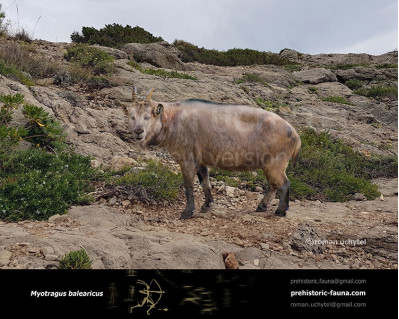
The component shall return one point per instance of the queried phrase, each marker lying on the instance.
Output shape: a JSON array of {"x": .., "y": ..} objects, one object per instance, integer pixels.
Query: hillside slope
[{"x": 312, "y": 92}]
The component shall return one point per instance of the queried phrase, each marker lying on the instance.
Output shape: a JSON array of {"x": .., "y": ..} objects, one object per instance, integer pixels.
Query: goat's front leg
[{"x": 188, "y": 169}]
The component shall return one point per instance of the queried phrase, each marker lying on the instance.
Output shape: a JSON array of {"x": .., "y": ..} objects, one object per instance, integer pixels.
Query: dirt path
[{"x": 355, "y": 234}]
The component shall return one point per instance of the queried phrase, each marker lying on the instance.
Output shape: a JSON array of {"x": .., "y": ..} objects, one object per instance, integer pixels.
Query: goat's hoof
[
  {"x": 206, "y": 207},
  {"x": 281, "y": 213},
  {"x": 187, "y": 214},
  {"x": 261, "y": 208}
]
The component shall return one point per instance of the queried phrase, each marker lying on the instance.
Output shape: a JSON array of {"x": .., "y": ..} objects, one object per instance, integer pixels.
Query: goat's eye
[
  {"x": 147, "y": 118},
  {"x": 133, "y": 118}
]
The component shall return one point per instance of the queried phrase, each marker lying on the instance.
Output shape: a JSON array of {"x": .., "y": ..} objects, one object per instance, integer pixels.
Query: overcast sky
[{"x": 308, "y": 26}]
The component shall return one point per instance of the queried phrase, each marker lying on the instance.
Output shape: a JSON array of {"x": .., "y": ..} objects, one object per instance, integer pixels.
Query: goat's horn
[
  {"x": 149, "y": 94},
  {"x": 134, "y": 94}
]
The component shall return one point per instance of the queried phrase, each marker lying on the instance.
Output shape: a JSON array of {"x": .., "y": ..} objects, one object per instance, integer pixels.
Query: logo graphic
[{"x": 152, "y": 294}]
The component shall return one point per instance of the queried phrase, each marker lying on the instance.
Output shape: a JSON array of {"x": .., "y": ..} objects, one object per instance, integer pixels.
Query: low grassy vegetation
[
  {"x": 293, "y": 67},
  {"x": 89, "y": 67},
  {"x": 238, "y": 179},
  {"x": 346, "y": 66},
  {"x": 98, "y": 61},
  {"x": 250, "y": 78},
  {"x": 269, "y": 105},
  {"x": 161, "y": 72},
  {"x": 336, "y": 99},
  {"x": 378, "y": 91},
  {"x": 354, "y": 84},
  {"x": 363, "y": 65},
  {"x": 349, "y": 66},
  {"x": 313, "y": 90},
  {"x": 169, "y": 74},
  {"x": 327, "y": 169},
  {"x": 20, "y": 61},
  {"x": 16, "y": 74},
  {"x": 98, "y": 82},
  {"x": 387, "y": 66},
  {"x": 156, "y": 181}
]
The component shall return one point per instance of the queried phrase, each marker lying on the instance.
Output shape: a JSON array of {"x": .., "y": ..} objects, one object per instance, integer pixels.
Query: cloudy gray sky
[{"x": 308, "y": 26}]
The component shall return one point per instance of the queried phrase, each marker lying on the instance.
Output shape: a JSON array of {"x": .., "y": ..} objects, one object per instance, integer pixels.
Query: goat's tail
[{"x": 297, "y": 150}]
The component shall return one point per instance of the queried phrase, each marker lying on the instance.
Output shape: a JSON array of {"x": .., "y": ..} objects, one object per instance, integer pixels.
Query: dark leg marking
[
  {"x": 284, "y": 199},
  {"x": 203, "y": 177},
  {"x": 188, "y": 170}
]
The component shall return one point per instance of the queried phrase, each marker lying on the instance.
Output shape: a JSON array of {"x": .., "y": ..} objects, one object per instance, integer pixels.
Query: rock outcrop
[
  {"x": 159, "y": 54},
  {"x": 315, "y": 76}
]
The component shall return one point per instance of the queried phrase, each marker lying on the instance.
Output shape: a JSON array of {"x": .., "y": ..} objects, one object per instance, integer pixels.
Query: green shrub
[
  {"x": 97, "y": 60},
  {"x": 76, "y": 260},
  {"x": 335, "y": 171},
  {"x": 232, "y": 57},
  {"x": 114, "y": 35},
  {"x": 300, "y": 189},
  {"x": 157, "y": 180},
  {"x": 10, "y": 103},
  {"x": 9, "y": 136},
  {"x": 42, "y": 130},
  {"x": 35, "y": 184}
]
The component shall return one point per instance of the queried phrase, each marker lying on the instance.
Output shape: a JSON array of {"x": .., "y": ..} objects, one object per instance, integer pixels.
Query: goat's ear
[
  {"x": 124, "y": 108},
  {"x": 158, "y": 110}
]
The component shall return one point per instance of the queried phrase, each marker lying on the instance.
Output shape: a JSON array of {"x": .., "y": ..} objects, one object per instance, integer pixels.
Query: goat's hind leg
[
  {"x": 203, "y": 177},
  {"x": 284, "y": 203},
  {"x": 269, "y": 195}
]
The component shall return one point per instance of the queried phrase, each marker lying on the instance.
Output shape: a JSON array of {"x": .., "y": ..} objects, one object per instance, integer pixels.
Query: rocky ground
[
  {"x": 352, "y": 235},
  {"x": 121, "y": 233}
]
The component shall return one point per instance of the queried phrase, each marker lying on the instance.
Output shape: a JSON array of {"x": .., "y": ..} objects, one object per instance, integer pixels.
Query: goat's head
[{"x": 144, "y": 117}]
